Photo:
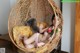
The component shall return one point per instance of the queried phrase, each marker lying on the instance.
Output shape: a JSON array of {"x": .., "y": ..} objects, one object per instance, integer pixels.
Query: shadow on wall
[{"x": 73, "y": 11}]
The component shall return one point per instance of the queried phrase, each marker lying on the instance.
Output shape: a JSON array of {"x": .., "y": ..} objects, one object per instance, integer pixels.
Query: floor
[{"x": 64, "y": 52}]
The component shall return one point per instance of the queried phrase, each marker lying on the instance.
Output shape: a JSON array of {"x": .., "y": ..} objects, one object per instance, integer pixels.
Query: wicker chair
[{"x": 41, "y": 10}]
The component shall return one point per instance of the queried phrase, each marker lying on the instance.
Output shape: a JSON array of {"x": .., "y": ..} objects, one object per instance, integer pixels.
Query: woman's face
[{"x": 53, "y": 22}]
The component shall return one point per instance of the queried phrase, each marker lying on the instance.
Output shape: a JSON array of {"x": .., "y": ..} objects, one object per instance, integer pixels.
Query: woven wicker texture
[{"x": 42, "y": 11}]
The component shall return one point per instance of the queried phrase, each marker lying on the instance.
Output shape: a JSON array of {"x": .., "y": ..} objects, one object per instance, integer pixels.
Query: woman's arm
[{"x": 43, "y": 30}]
